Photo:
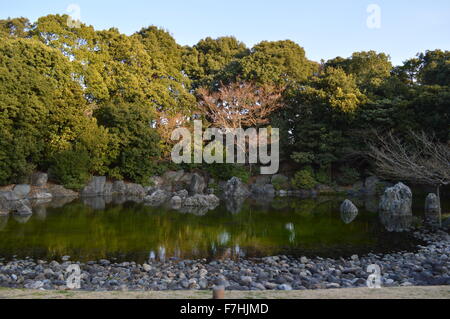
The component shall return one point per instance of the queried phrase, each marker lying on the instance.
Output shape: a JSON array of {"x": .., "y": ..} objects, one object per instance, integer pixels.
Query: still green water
[{"x": 134, "y": 232}]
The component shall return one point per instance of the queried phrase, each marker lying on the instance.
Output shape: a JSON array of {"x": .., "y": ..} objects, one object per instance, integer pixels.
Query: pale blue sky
[{"x": 325, "y": 28}]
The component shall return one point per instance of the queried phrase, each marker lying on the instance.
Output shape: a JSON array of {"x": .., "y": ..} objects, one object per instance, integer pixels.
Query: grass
[{"x": 438, "y": 292}]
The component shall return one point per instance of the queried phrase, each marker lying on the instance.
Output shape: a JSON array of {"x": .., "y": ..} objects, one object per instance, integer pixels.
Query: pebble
[{"x": 429, "y": 265}]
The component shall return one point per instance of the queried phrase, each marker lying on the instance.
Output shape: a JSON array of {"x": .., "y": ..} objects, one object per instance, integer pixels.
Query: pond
[{"x": 92, "y": 229}]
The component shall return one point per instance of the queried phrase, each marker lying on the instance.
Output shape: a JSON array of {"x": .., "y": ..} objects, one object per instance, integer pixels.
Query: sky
[{"x": 325, "y": 28}]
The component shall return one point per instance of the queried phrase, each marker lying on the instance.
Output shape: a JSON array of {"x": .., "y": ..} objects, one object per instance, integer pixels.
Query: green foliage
[
  {"x": 278, "y": 62},
  {"x": 347, "y": 176},
  {"x": 224, "y": 172},
  {"x": 71, "y": 168},
  {"x": 304, "y": 179},
  {"x": 280, "y": 182},
  {"x": 138, "y": 142},
  {"x": 323, "y": 176},
  {"x": 102, "y": 93}
]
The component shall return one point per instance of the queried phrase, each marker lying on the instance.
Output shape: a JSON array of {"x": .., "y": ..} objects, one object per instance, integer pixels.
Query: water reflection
[
  {"x": 348, "y": 216},
  {"x": 396, "y": 223},
  {"x": 92, "y": 229}
]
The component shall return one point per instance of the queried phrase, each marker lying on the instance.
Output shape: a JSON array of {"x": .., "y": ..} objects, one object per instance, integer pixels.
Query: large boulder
[
  {"x": 183, "y": 194},
  {"x": 396, "y": 201},
  {"x": 158, "y": 198},
  {"x": 348, "y": 211},
  {"x": 40, "y": 194},
  {"x": 432, "y": 207},
  {"x": 136, "y": 190},
  {"x": 176, "y": 202},
  {"x": 202, "y": 201},
  {"x": 95, "y": 187},
  {"x": 197, "y": 185},
  {"x": 8, "y": 196},
  {"x": 59, "y": 191},
  {"x": 236, "y": 188},
  {"x": 21, "y": 191},
  {"x": 39, "y": 179},
  {"x": 119, "y": 188}
]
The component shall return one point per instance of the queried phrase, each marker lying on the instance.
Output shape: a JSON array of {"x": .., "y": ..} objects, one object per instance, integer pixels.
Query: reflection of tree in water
[{"x": 3, "y": 222}]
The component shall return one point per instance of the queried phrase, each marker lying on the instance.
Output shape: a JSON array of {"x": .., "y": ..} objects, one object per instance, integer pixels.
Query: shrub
[
  {"x": 280, "y": 182},
  {"x": 323, "y": 176},
  {"x": 71, "y": 168},
  {"x": 347, "y": 176},
  {"x": 304, "y": 179},
  {"x": 223, "y": 172}
]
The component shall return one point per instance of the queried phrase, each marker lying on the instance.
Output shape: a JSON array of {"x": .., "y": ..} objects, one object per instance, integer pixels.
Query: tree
[
  {"x": 369, "y": 68},
  {"x": 213, "y": 60},
  {"x": 138, "y": 142},
  {"x": 15, "y": 28},
  {"x": 42, "y": 111},
  {"x": 276, "y": 63},
  {"x": 420, "y": 160},
  {"x": 239, "y": 105}
]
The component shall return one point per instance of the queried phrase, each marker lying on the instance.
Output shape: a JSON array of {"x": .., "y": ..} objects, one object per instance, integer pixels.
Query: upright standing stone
[
  {"x": 197, "y": 185},
  {"x": 95, "y": 187},
  {"x": 432, "y": 207},
  {"x": 397, "y": 200}
]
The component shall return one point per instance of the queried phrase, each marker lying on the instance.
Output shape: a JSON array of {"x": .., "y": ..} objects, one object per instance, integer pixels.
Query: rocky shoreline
[{"x": 428, "y": 266}]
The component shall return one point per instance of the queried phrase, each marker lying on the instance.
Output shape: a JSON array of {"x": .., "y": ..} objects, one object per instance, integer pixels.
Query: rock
[
  {"x": 262, "y": 180},
  {"x": 396, "y": 201},
  {"x": 95, "y": 187},
  {"x": 370, "y": 185},
  {"x": 348, "y": 211},
  {"x": 23, "y": 209},
  {"x": 263, "y": 190},
  {"x": 432, "y": 207},
  {"x": 8, "y": 196},
  {"x": 197, "y": 185},
  {"x": 59, "y": 191},
  {"x": 202, "y": 201},
  {"x": 39, "y": 179},
  {"x": 119, "y": 188},
  {"x": 324, "y": 189},
  {"x": 108, "y": 189},
  {"x": 235, "y": 188},
  {"x": 171, "y": 177},
  {"x": 183, "y": 194},
  {"x": 284, "y": 287},
  {"x": 176, "y": 202},
  {"x": 135, "y": 190},
  {"x": 21, "y": 191},
  {"x": 157, "y": 198},
  {"x": 40, "y": 194},
  {"x": 157, "y": 181}
]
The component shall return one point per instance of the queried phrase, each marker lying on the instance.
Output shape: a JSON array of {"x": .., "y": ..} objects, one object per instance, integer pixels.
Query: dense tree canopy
[{"x": 111, "y": 100}]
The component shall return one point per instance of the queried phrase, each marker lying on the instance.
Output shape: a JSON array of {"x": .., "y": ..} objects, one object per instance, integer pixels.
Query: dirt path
[{"x": 441, "y": 292}]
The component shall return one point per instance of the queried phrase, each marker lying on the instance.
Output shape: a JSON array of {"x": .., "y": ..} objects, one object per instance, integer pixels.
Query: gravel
[{"x": 428, "y": 266}]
